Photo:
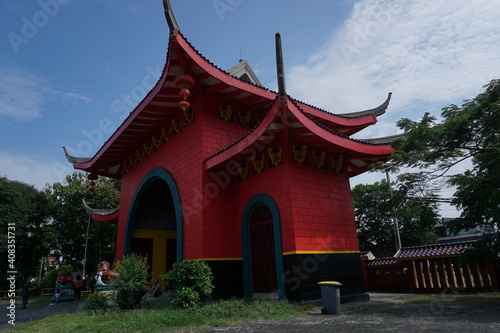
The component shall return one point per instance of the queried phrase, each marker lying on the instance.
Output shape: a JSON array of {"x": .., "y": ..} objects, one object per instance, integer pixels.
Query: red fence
[{"x": 406, "y": 271}]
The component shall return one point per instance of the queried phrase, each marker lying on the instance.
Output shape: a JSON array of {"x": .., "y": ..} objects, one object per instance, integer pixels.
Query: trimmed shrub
[
  {"x": 192, "y": 280},
  {"x": 133, "y": 281},
  {"x": 96, "y": 302}
]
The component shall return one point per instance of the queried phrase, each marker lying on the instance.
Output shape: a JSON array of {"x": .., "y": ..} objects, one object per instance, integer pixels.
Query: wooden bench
[
  {"x": 47, "y": 292},
  {"x": 5, "y": 294},
  {"x": 86, "y": 290},
  {"x": 52, "y": 291}
]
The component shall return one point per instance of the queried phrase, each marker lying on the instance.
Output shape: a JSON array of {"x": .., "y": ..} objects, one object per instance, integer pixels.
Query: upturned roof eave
[
  {"x": 346, "y": 117},
  {"x": 177, "y": 41},
  {"x": 88, "y": 163},
  {"x": 322, "y": 133},
  {"x": 337, "y": 121},
  {"x": 354, "y": 121},
  {"x": 220, "y": 74},
  {"x": 384, "y": 140},
  {"x": 337, "y": 139},
  {"x": 244, "y": 142}
]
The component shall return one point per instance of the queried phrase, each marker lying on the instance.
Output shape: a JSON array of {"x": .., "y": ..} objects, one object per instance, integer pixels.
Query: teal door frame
[
  {"x": 256, "y": 200},
  {"x": 155, "y": 174}
]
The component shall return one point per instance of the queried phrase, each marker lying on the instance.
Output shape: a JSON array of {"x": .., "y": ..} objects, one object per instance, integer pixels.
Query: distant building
[{"x": 446, "y": 236}]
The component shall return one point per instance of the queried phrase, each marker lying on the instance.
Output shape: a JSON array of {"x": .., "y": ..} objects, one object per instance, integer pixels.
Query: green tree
[
  {"x": 470, "y": 132},
  {"x": 70, "y": 219},
  {"x": 24, "y": 209},
  {"x": 376, "y": 210}
]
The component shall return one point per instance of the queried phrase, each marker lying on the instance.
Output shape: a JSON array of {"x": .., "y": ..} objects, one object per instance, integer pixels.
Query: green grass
[{"x": 161, "y": 318}]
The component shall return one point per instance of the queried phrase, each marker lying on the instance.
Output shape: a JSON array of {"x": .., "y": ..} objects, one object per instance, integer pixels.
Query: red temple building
[{"x": 215, "y": 167}]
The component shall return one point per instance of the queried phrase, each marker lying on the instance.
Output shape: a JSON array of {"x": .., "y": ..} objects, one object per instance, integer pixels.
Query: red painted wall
[
  {"x": 182, "y": 158},
  {"x": 315, "y": 215}
]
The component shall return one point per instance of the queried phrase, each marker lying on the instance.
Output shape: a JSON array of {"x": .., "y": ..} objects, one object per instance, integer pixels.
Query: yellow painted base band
[
  {"x": 217, "y": 259},
  {"x": 284, "y": 253},
  {"x": 318, "y": 252}
]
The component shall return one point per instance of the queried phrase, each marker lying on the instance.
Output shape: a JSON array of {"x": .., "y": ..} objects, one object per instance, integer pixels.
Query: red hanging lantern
[
  {"x": 184, "y": 81},
  {"x": 92, "y": 183},
  {"x": 184, "y": 93},
  {"x": 91, "y": 189},
  {"x": 184, "y": 105}
]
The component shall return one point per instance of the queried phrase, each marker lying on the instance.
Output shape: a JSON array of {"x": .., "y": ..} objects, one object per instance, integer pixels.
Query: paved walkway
[
  {"x": 387, "y": 313},
  {"x": 383, "y": 313},
  {"x": 35, "y": 313}
]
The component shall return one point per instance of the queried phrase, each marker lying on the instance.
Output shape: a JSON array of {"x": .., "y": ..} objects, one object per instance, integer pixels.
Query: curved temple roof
[{"x": 161, "y": 104}]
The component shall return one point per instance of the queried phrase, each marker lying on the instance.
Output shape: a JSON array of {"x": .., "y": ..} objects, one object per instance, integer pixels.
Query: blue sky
[{"x": 70, "y": 70}]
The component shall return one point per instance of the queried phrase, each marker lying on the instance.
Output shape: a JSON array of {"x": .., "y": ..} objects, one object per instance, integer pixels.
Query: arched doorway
[
  {"x": 154, "y": 224},
  {"x": 262, "y": 254}
]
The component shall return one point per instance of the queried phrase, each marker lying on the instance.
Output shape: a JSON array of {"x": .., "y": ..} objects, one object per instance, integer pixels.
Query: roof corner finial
[
  {"x": 280, "y": 67},
  {"x": 169, "y": 15}
]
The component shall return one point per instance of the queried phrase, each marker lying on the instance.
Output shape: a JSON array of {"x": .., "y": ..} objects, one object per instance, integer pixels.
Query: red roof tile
[
  {"x": 436, "y": 250},
  {"x": 382, "y": 262}
]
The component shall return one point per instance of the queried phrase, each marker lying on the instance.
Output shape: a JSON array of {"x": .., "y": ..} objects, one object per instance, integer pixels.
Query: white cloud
[
  {"x": 428, "y": 53},
  {"x": 20, "y": 98},
  {"x": 34, "y": 169},
  {"x": 22, "y": 95}
]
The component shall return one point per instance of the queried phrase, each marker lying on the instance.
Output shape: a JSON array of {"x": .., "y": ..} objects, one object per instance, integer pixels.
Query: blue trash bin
[{"x": 330, "y": 296}]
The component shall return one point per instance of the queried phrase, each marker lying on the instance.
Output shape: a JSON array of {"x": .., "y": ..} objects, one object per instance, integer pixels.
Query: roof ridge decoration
[
  {"x": 384, "y": 139},
  {"x": 280, "y": 70},
  {"x": 169, "y": 15},
  {"x": 377, "y": 111},
  {"x": 374, "y": 141},
  {"x": 318, "y": 129},
  {"x": 95, "y": 211},
  {"x": 75, "y": 159},
  {"x": 109, "y": 166}
]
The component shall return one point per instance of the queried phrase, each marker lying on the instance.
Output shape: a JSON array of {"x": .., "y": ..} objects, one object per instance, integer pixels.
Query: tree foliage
[
  {"x": 376, "y": 209},
  {"x": 69, "y": 219},
  {"x": 53, "y": 222},
  {"x": 26, "y": 209},
  {"x": 470, "y": 132}
]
